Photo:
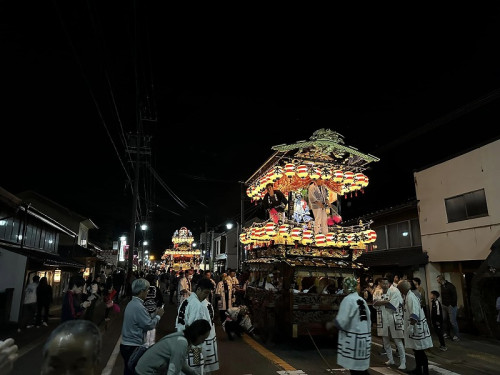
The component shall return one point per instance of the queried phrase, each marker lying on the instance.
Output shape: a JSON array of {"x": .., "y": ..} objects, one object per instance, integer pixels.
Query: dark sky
[{"x": 409, "y": 85}]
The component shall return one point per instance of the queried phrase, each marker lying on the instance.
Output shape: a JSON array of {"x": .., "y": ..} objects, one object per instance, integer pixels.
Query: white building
[{"x": 459, "y": 217}]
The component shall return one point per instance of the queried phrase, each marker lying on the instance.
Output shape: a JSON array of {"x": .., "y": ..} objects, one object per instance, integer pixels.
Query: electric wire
[{"x": 89, "y": 87}]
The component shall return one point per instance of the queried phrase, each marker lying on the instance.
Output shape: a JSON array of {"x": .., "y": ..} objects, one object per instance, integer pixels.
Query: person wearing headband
[{"x": 354, "y": 325}]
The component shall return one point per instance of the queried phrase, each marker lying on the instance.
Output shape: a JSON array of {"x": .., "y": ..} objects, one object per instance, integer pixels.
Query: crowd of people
[{"x": 397, "y": 307}]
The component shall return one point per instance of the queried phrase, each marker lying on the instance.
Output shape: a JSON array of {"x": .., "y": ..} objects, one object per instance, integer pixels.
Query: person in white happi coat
[
  {"x": 389, "y": 306},
  {"x": 354, "y": 325},
  {"x": 224, "y": 295},
  {"x": 417, "y": 333},
  {"x": 205, "y": 359}
]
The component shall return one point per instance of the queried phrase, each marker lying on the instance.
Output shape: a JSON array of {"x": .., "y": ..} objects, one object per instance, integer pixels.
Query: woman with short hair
[{"x": 168, "y": 355}]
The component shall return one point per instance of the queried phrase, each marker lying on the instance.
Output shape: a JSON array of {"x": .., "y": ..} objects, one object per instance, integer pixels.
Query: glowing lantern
[
  {"x": 270, "y": 229},
  {"x": 359, "y": 179},
  {"x": 270, "y": 176},
  {"x": 372, "y": 235},
  {"x": 255, "y": 233},
  {"x": 284, "y": 230},
  {"x": 348, "y": 177},
  {"x": 338, "y": 175},
  {"x": 302, "y": 171},
  {"x": 290, "y": 170},
  {"x": 350, "y": 239},
  {"x": 315, "y": 173},
  {"x": 296, "y": 234},
  {"x": 263, "y": 182},
  {"x": 343, "y": 240},
  {"x": 320, "y": 239},
  {"x": 365, "y": 182},
  {"x": 331, "y": 239},
  {"x": 263, "y": 234},
  {"x": 307, "y": 236},
  {"x": 277, "y": 173},
  {"x": 249, "y": 192},
  {"x": 326, "y": 173}
]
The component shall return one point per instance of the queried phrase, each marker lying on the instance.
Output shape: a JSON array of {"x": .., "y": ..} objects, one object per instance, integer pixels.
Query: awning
[
  {"x": 43, "y": 258},
  {"x": 397, "y": 257}
]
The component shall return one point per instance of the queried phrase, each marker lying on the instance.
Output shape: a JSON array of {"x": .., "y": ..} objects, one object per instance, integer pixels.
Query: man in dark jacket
[
  {"x": 274, "y": 203},
  {"x": 449, "y": 301}
]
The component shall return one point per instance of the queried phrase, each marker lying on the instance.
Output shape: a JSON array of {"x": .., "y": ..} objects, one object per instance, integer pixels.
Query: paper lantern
[
  {"x": 338, "y": 175},
  {"x": 270, "y": 229},
  {"x": 326, "y": 173},
  {"x": 343, "y": 240},
  {"x": 296, "y": 234},
  {"x": 277, "y": 173},
  {"x": 331, "y": 239},
  {"x": 307, "y": 236},
  {"x": 284, "y": 230},
  {"x": 302, "y": 171},
  {"x": 270, "y": 176},
  {"x": 365, "y": 182},
  {"x": 315, "y": 173},
  {"x": 371, "y": 236},
  {"x": 263, "y": 235},
  {"x": 348, "y": 177},
  {"x": 320, "y": 239},
  {"x": 290, "y": 170}
]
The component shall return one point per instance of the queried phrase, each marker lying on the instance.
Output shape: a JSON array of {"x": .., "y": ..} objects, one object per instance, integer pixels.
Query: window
[
  {"x": 398, "y": 235},
  {"x": 381, "y": 241},
  {"x": 466, "y": 206}
]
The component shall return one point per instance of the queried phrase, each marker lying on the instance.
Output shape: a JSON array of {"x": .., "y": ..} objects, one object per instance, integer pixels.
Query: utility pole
[
  {"x": 206, "y": 245},
  {"x": 135, "y": 197},
  {"x": 241, "y": 250}
]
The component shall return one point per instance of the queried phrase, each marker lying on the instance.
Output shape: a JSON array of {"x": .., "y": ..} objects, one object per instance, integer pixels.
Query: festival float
[
  {"x": 182, "y": 254},
  {"x": 304, "y": 271}
]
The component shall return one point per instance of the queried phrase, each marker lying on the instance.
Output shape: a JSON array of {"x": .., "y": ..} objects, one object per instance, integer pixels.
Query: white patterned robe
[
  {"x": 390, "y": 316},
  {"x": 204, "y": 359},
  {"x": 418, "y": 337},
  {"x": 354, "y": 338}
]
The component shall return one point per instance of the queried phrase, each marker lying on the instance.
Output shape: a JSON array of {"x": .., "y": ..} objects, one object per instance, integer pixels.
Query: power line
[{"x": 73, "y": 49}]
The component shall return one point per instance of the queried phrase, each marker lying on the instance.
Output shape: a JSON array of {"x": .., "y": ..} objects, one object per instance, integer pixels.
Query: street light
[{"x": 229, "y": 226}]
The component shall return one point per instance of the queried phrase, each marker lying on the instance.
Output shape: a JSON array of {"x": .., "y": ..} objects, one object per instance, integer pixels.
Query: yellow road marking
[{"x": 266, "y": 353}]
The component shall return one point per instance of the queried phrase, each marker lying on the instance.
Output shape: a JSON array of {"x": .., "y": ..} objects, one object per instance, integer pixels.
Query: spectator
[
  {"x": 153, "y": 300},
  {"x": 417, "y": 334},
  {"x": 184, "y": 287},
  {"x": 354, "y": 324},
  {"x": 136, "y": 321},
  {"x": 29, "y": 305},
  {"x": 437, "y": 318},
  {"x": 169, "y": 355},
  {"x": 74, "y": 347},
  {"x": 72, "y": 308},
  {"x": 194, "y": 308},
  {"x": 43, "y": 301},
  {"x": 172, "y": 285},
  {"x": 449, "y": 302},
  {"x": 223, "y": 296},
  {"x": 421, "y": 291}
]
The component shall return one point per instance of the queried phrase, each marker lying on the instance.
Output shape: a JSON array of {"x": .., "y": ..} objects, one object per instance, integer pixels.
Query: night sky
[{"x": 411, "y": 86}]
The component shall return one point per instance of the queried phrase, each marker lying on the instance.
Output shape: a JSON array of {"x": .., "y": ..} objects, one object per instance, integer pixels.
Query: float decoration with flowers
[{"x": 182, "y": 254}]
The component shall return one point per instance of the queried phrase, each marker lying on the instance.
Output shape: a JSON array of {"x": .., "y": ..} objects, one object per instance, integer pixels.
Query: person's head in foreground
[{"x": 73, "y": 348}]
